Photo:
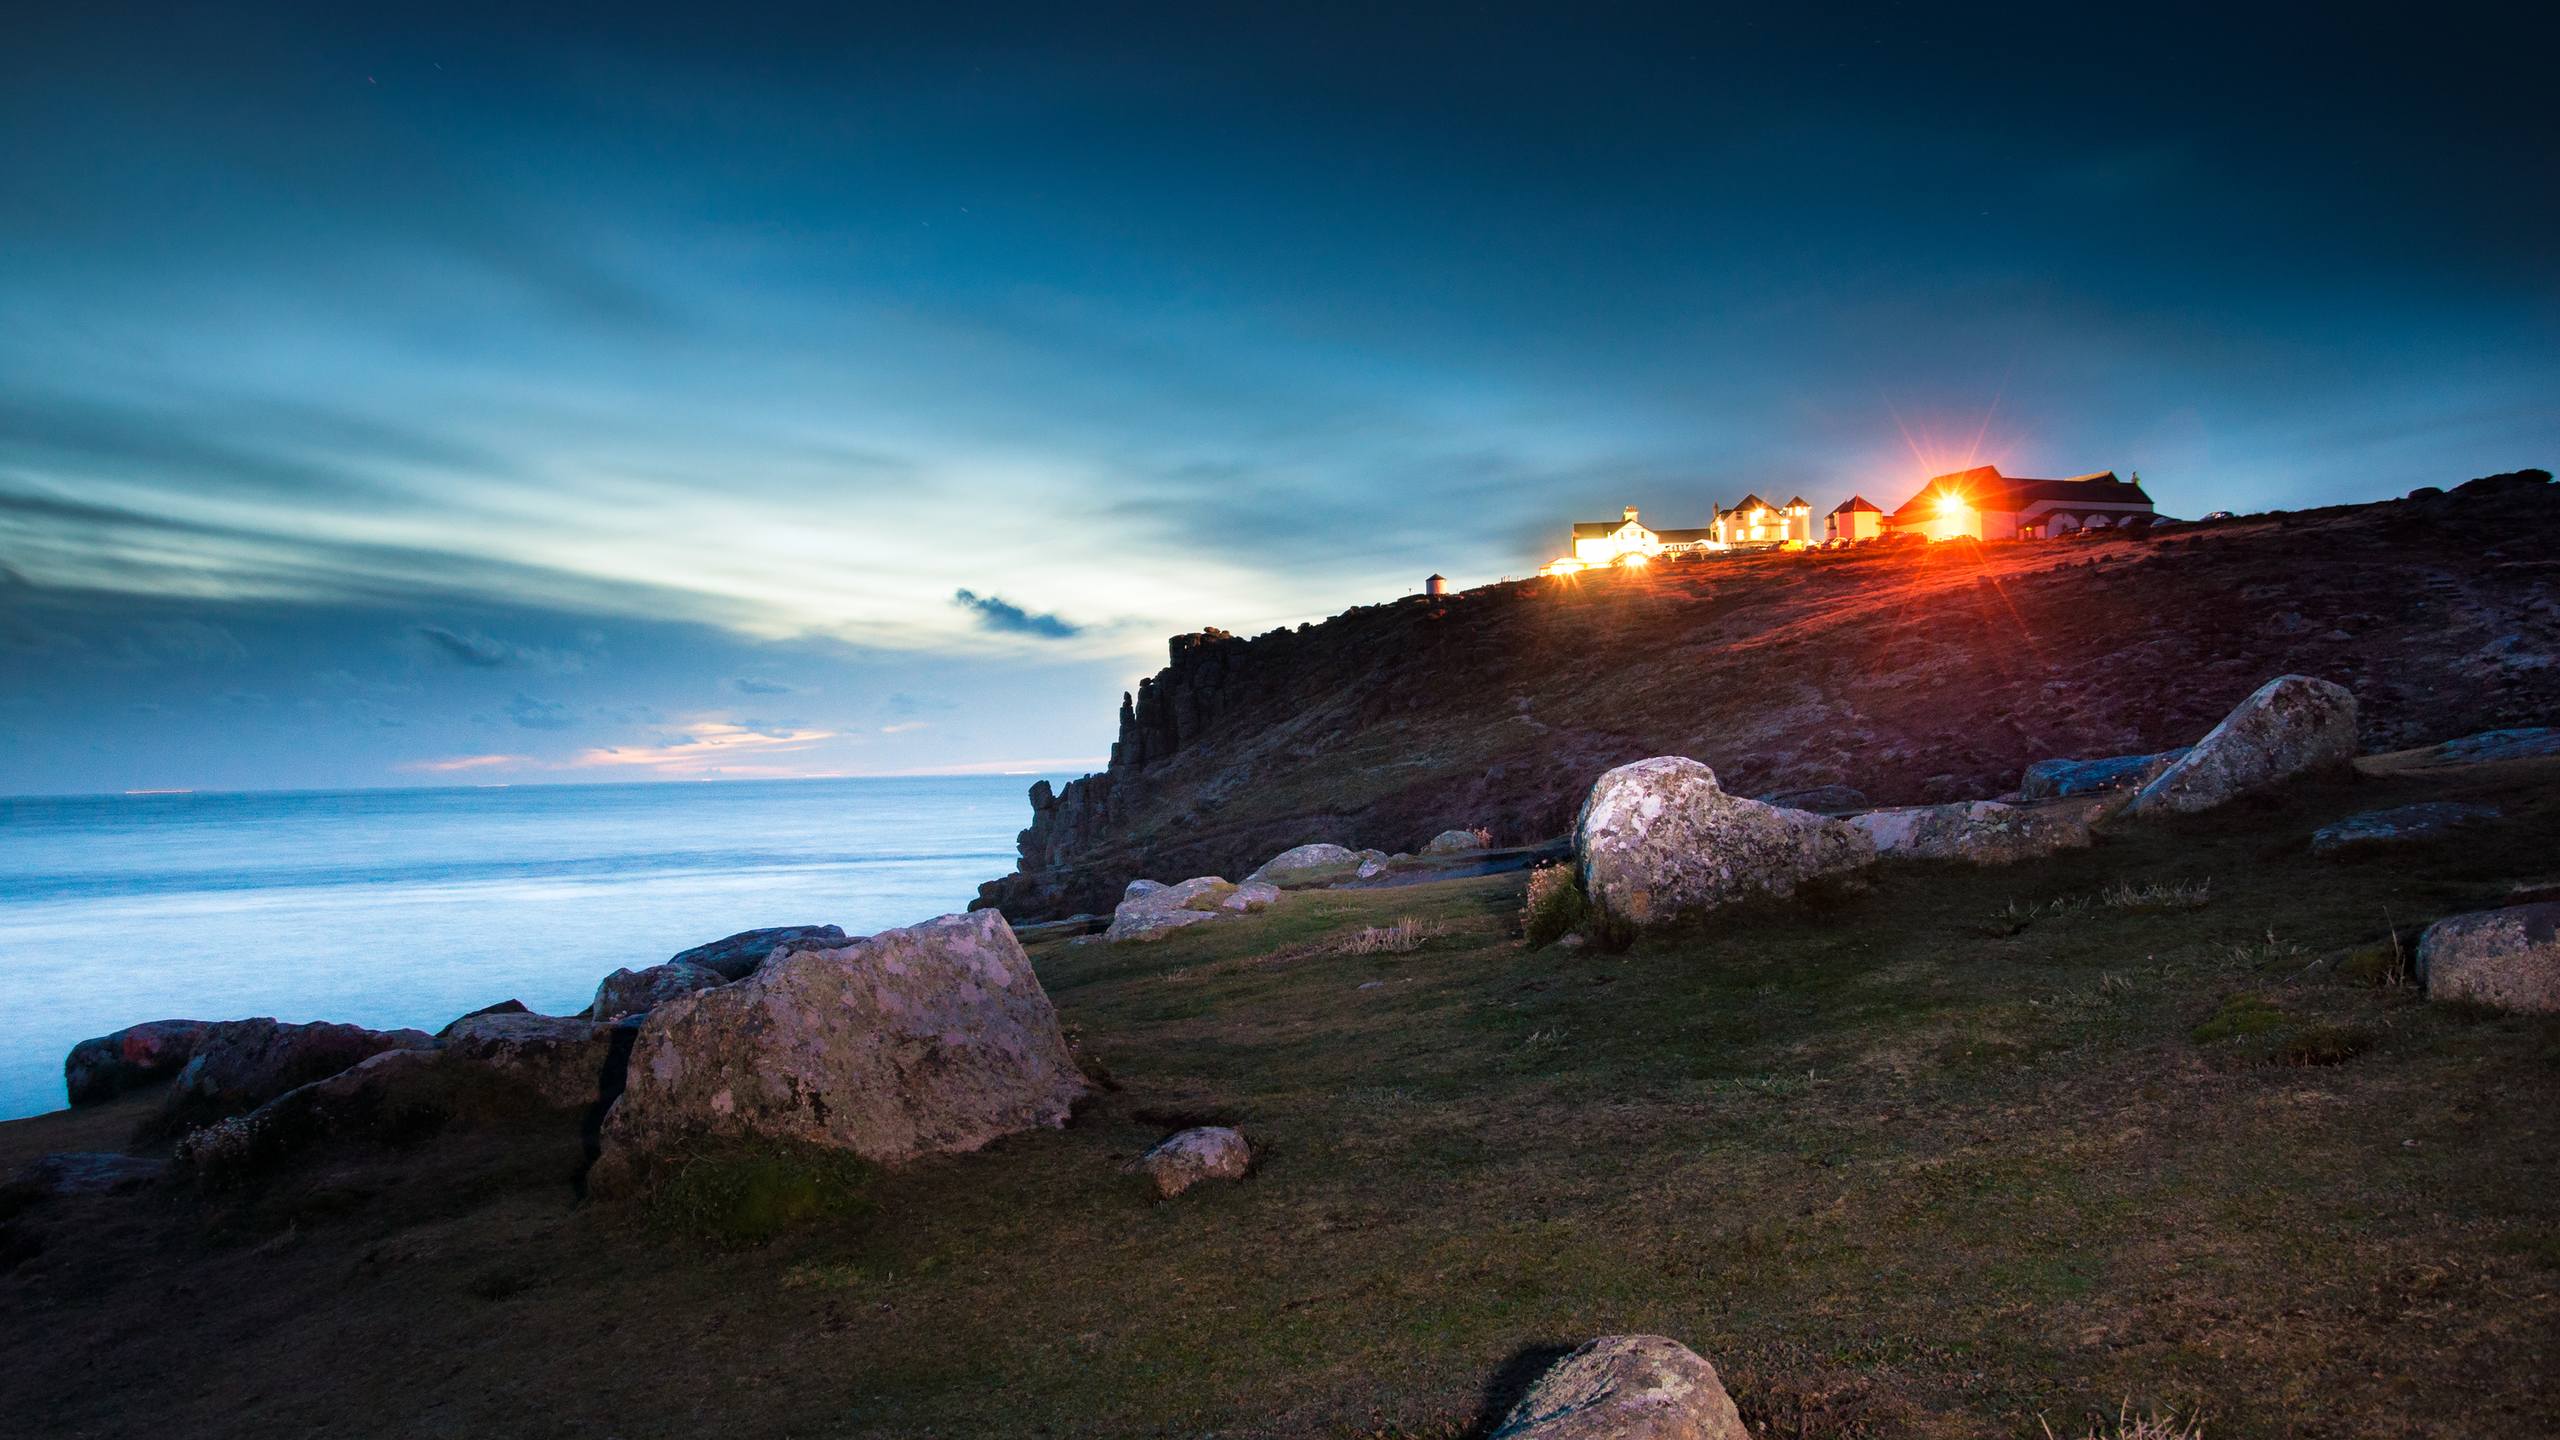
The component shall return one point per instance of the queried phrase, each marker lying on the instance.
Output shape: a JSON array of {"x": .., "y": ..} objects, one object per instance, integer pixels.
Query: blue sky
[{"x": 481, "y": 393}]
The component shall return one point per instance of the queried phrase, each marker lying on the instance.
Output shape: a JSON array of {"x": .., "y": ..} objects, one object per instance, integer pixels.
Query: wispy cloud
[
  {"x": 461, "y": 763},
  {"x": 903, "y": 726},
  {"x": 756, "y": 685},
  {"x": 1005, "y": 617},
  {"x": 707, "y": 748}
]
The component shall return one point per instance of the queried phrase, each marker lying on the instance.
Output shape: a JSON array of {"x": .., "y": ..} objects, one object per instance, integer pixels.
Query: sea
[{"x": 396, "y": 908}]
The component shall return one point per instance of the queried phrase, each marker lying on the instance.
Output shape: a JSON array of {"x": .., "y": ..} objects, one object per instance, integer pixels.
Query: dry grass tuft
[
  {"x": 1402, "y": 937},
  {"x": 2129, "y": 1426}
]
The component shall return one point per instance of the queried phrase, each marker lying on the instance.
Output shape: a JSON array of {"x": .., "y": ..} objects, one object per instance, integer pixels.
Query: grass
[{"x": 1895, "y": 1172}]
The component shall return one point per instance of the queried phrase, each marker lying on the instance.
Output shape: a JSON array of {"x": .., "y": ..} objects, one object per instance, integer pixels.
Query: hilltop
[{"x": 1909, "y": 673}]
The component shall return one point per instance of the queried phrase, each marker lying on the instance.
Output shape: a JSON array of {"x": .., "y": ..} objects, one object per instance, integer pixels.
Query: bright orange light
[
  {"x": 1950, "y": 503},
  {"x": 1635, "y": 558}
]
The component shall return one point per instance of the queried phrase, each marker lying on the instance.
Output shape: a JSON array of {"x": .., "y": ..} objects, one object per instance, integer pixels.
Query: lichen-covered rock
[
  {"x": 1308, "y": 865},
  {"x": 2399, "y": 825},
  {"x": 1141, "y": 887},
  {"x": 1454, "y": 842},
  {"x": 1206, "y": 1152},
  {"x": 1251, "y": 897},
  {"x": 1627, "y": 1387},
  {"x": 561, "y": 1060},
  {"x": 2054, "y": 779},
  {"x": 637, "y": 992},
  {"x": 1659, "y": 840},
  {"x": 1983, "y": 832},
  {"x": 1155, "y": 913},
  {"x": 737, "y": 956},
  {"x": 2508, "y": 958},
  {"x": 931, "y": 1039},
  {"x": 242, "y": 1064},
  {"x": 105, "y": 1066},
  {"x": 2291, "y": 726}
]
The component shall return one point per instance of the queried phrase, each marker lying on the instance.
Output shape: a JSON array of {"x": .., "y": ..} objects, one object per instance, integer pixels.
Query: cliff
[{"x": 1909, "y": 672}]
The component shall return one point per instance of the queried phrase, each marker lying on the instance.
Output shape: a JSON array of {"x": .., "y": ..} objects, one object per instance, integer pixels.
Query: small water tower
[{"x": 1436, "y": 587}]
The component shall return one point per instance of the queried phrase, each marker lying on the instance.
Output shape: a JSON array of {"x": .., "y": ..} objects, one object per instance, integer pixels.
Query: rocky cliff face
[{"x": 1912, "y": 673}]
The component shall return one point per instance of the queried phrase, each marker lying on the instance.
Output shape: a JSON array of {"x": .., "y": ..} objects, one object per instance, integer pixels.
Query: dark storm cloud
[{"x": 1007, "y": 618}]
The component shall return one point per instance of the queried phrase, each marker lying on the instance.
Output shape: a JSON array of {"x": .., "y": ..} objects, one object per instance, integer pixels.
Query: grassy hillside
[{"x": 2156, "y": 1122}]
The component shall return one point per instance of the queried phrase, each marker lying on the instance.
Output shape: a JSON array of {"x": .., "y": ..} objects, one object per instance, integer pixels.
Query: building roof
[
  {"x": 1597, "y": 529},
  {"x": 1985, "y": 488},
  {"x": 1799, "y": 503},
  {"x": 1855, "y": 504},
  {"x": 1748, "y": 502},
  {"x": 1685, "y": 537}
]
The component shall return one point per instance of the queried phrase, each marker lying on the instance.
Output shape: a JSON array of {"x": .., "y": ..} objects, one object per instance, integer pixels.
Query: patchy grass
[
  {"x": 735, "y": 1195},
  {"x": 1555, "y": 906},
  {"x": 1895, "y": 1175}
]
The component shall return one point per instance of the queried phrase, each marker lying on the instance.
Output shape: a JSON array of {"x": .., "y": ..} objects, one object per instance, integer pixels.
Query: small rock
[
  {"x": 1984, "y": 832},
  {"x": 2508, "y": 958},
  {"x": 1207, "y": 1152},
  {"x": 2400, "y": 824},
  {"x": 1658, "y": 840},
  {"x": 1454, "y": 842},
  {"x": 2290, "y": 726},
  {"x": 1251, "y": 897},
  {"x": 1372, "y": 984},
  {"x": 1627, "y": 1387},
  {"x": 1309, "y": 865},
  {"x": 637, "y": 992}
]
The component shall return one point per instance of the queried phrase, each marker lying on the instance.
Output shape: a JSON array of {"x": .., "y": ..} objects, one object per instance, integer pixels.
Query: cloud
[
  {"x": 1007, "y": 618},
  {"x": 465, "y": 762},
  {"x": 535, "y": 714},
  {"x": 476, "y": 651},
  {"x": 753, "y": 685},
  {"x": 903, "y": 726},
  {"x": 711, "y": 747}
]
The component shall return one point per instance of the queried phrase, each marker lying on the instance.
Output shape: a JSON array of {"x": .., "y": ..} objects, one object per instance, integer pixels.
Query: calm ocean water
[{"x": 409, "y": 907}]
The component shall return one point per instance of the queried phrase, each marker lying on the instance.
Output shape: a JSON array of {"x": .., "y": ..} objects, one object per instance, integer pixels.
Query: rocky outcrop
[
  {"x": 2535, "y": 742},
  {"x": 1305, "y": 866},
  {"x": 240, "y": 1065},
  {"x": 2399, "y": 825},
  {"x": 737, "y": 956},
  {"x": 1158, "y": 910},
  {"x": 562, "y": 1061},
  {"x": 2055, "y": 779},
  {"x": 926, "y": 1040},
  {"x": 1659, "y": 841},
  {"x": 1454, "y": 842},
  {"x": 1627, "y": 1387},
  {"x": 1982, "y": 832},
  {"x": 637, "y": 992},
  {"x": 2292, "y": 725},
  {"x": 106, "y": 1066},
  {"x": 2506, "y": 958},
  {"x": 1252, "y": 897},
  {"x": 1821, "y": 799},
  {"x": 1207, "y": 1152}
]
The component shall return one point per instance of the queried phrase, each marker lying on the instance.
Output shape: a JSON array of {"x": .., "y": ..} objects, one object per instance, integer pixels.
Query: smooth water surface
[{"x": 409, "y": 907}]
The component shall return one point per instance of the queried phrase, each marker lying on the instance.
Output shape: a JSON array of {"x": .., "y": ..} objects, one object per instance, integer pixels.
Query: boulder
[
  {"x": 1141, "y": 887},
  {"x": 637, "y": 992},
  {"x": 242, "y": 1064},
  {"x": 1206, "y": 1152},
  {"x": 2535, "y": 742},
  {"x": 2508, "y": 958},
  {"x": 2399, "y": 825},
  {"x": 1308, "y": 865},
  {"x": 2054, "y": 779},
  {"x": 927, "y": 1040},
  {"x": 1454, "y": 842},
  {"x": 1251, "y": 897},
  {"x": 737, "y": 956},
  {"x": 1158, "y": 912},
  {"x": 2291, "y": 726},
  {"x": 106, "y": 1066},
  {"x": 1659, "y": 840},
  {"x": 503, "y": 1007},
  {"x": 1818, "y": 798},
  {"x": 562, "y": 1061},
  {"x": 1627, "y": 1387},
  {"x": 1983, "y": 832}
]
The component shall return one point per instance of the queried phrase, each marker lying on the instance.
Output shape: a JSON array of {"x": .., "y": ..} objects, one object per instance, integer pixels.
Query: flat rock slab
[
  {"x": 1627, "y": 1387},
  {"x": 2540, "y": 742},
  {"x": 1980, "y": 832},
  {"x": 2056, "y": 779},
  {"x": 2507, "y": 958},
  {"x": 2401, "y": 824}
]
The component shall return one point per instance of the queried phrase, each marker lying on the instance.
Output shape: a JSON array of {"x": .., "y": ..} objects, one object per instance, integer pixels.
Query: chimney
[{"x": 1631, "y": 512}]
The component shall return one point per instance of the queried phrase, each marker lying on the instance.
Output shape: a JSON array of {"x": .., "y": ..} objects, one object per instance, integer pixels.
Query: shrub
[{"x": 1556, "y": 907}]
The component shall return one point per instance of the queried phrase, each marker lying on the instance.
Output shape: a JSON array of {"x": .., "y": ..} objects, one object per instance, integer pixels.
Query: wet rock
[
  {"x": 1982, "y": 832},
  {"x": 101, "y": 1068},
  {"x": 2291, "y": 726},
  {"x": 1627, "y": 1387},
  {"x": 2508, "y": 958},
  {"x": 1308, "y": 865},
  {"x": 2399, "y": 825},
  {"x": 637, "y": 992},
  {"x": 242, "y": 1064},
  {"x": 1454, "y": 842},
  {"x": 1156, "y": 913},
  {"x": 926, "y": 1040},
  {"x": 2054, "y": 779},
  {"x": 1251, "y": 897},
  {"x": 1819, "y": 798},
  {"x": 1659, "y": 840},
  {"x": 1207, "y": 1152},
  {"x": 737, "y": 956}
]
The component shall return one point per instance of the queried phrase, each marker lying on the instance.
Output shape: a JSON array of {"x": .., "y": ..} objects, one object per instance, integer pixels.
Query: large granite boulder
[
  {"x": 563, "y": 1061},
  {"x": 1205, "y": 1152},
  {"x": 1983, "y": 832},
  {"x": 637, "y": 992},
  {"x": 1454, "y": 842},
  {"x": 1308, "y": 865},
  {"x": 240, "y": 1065},
  {"x": 1659, "y": 840},
  {"x": 2508, "y": 958},
  {"x": 927, "y": 1040},
  {"x": 737, "y": 956},
  {"x": 1627, "y": 1387},
  {"x": 2055, "y": 779},
  {"x": 1158, "y": 911},
  {"x": 106, "y": 1066},
  {"x": 2399, "y": 825},
  {"x": 2291, "y": 726}
]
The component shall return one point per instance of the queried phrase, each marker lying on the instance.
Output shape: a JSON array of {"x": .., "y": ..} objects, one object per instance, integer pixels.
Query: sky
[{"x": 481, "y": 394}]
